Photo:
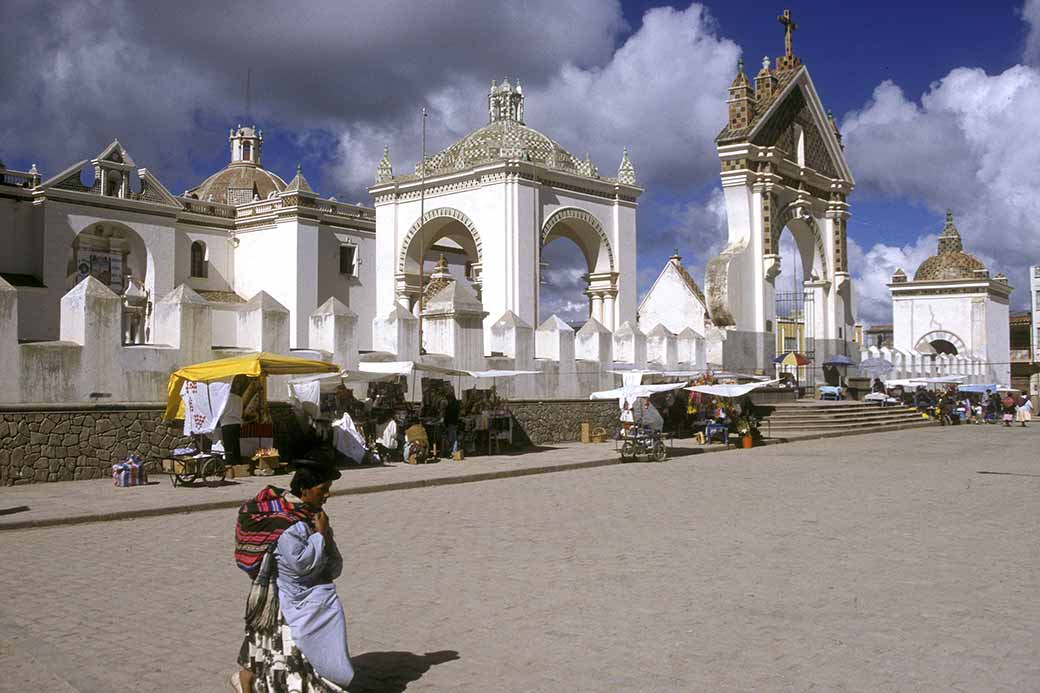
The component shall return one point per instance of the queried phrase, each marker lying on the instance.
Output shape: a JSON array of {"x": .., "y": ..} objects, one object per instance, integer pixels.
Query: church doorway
[{"x": 585, "y": 263}]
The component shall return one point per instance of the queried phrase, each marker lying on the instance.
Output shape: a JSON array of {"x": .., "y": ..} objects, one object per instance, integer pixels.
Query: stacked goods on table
[{"x": 267, "y": 462}]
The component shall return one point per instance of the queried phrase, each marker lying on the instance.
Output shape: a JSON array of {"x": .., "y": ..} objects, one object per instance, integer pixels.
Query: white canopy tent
[{"x": 731, "y": 390}]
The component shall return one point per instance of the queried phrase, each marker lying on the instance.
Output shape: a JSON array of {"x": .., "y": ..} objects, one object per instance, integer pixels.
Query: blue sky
[{"x": 936, "y": 102}]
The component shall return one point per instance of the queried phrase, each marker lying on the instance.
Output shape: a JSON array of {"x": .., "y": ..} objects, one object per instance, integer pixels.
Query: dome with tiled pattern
[{"x": 951, "y": 262}]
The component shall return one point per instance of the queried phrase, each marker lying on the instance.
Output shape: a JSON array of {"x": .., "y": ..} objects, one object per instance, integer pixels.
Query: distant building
[
  {"x": 878, "y": 336},
  {"x": 1034, "y": 292},
  {"x": 1020, "y": 324}
]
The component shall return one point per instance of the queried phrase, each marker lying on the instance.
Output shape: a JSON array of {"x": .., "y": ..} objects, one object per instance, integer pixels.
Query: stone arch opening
[
  {"x": 941, "y": 342},
  {"x": 112, "y": 253},
  {"x": 591, "y": 271},
  {"x": 440, "y": 232}
]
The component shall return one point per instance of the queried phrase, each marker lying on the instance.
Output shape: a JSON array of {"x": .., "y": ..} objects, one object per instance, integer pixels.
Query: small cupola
[
  {"x": 246, "y": 145},
  {"x": 506, "y": 102}
]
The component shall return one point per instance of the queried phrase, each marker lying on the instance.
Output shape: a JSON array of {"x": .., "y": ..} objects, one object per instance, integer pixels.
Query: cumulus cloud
[
  {"x": 874, "y": 269},
  {"x": 167, "y": 78},
  {"x": 1031, "y": 14},
  {"x": 970, "y": 143}
]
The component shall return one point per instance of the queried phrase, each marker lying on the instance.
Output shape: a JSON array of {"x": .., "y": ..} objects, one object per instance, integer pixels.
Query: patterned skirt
[{"x": 278, "y": 666}]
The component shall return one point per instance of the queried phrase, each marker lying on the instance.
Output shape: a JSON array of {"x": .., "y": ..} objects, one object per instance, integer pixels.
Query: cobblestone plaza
[{"x": 896, "y": 561}]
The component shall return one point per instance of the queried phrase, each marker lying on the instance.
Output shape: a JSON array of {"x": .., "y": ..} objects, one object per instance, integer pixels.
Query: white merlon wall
[
  {"x": 913, "y": 365},
  {"x": 90, "y": 361}
]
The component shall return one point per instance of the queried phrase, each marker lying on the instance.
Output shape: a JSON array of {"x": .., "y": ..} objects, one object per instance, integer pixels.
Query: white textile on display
[
  {"x": 388, "y": 437},
  {"x": 628, "y": 395},
  {"x": 348, "y": 440},
  {"x": 204, "y": 404},
  {"x": 308, "y": 394}
]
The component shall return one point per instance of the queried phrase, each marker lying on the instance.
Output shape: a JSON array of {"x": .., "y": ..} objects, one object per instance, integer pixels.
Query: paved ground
[
  {"x": 898, "y": 561},
  {"x": 69, "y": 502}
]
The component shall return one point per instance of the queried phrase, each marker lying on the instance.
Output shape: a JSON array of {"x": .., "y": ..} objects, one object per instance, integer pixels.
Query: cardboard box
[{"x": 241, "y": 470}]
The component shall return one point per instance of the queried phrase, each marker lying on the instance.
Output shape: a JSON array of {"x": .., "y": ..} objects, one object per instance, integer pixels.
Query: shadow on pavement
[
  {"x": 1010, "y": 473},
  {"x": 14, "y": 509},
  {"x": 391, "y": 672}
]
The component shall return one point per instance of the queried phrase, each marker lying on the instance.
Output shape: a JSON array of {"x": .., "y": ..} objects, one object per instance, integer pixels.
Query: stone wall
[
  {"x": 65, "y": 443},
  {"x": 78, "y": 442},
  {"x": 559, "y": 421}
]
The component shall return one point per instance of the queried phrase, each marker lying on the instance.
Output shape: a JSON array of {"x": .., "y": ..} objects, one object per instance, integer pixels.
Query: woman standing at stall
[{"x": 296, "y": 636}]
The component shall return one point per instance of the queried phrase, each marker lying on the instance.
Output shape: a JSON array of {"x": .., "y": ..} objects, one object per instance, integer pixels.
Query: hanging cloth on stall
[{"x": 204, "y": 404}]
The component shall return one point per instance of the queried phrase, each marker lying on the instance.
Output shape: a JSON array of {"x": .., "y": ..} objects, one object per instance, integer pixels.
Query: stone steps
[{"x": 815, "y": 419}]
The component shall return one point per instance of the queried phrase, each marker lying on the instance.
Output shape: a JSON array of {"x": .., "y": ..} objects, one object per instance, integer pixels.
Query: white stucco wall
[{"x": 671, "y": 303}]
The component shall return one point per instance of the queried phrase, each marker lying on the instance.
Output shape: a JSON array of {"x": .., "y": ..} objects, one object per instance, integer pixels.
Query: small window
[
  {"x": 247, "y": 151},
  {"x": 199, "y": 265},
  {"x": 790, "y": 344},
  {"x": 348, "y": 260}
]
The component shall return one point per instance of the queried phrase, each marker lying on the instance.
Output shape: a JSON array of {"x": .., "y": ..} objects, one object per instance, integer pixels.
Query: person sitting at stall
[
  {"x": 416, "y": 443},
  {"x": 386, "y": 442},
  {"x": 878, "y": 386},
  {"x": 1008, "y": 407}
]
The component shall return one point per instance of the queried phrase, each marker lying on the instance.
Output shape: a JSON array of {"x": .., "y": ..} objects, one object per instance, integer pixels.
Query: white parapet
[
  {"x": 184, "y": 320},
  {"x": 10, "y": 354},
  {"x": 554, "y": 340},
  {"x": 662, "y": 347},
  {"x": 397, "y": 333},
  {"x": 630, "y": 344},
  {"x": 264, "y": 325},
  {"x": 333, "y": 329},
  {"x": 513, "y": 338},
  {"x": 92, "y": 317},
  {"x": 690, "y": 347},
  {"x": 594, "y": 342}
]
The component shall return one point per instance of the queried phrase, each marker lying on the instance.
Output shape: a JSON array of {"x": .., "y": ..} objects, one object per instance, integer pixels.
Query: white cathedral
[{"x": 108, "y": 281}]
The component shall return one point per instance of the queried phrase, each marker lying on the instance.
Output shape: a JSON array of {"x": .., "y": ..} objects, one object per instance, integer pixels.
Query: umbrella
[
  {"x": 791, "y": 358},
  {"x": 838, "y": 360},
  {"x": 875, "y": 367}
]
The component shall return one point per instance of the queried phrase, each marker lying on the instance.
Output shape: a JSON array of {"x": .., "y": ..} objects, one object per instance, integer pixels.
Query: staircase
[{"x": 818, "y": 419}]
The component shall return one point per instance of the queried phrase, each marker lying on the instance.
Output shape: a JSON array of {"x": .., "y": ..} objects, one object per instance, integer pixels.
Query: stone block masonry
[
  {"x": 65, "y": 443},
  {"x": 559, "y": 421}
]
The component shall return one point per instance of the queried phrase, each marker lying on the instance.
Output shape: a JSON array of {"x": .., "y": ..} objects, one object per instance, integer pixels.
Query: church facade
[
  {"x": 241, "y": 233},
  {"x": 953, "y": 307}
]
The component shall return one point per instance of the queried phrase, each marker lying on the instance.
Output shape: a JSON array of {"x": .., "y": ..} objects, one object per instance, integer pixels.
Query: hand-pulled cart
[{"x": 185, "y": 470}]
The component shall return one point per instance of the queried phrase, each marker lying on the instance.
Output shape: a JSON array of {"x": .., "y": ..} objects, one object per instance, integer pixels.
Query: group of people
[{"x": 951, "y": 405}]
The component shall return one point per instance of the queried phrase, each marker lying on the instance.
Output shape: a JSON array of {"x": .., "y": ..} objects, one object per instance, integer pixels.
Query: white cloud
[
  {"x": 874, "y": 269},
  {"x": 1031, "y": 14},
  {"x": 971, "y": 144}
]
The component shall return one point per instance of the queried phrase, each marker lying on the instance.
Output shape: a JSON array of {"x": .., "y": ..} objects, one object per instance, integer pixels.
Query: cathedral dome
[
  {"x": 506, "y": 137},
  {"x": 244, "y": 178},
  {"x": 951, "y": 262}
]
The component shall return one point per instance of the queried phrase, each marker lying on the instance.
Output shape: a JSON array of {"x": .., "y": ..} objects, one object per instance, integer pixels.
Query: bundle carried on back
[{"x": 260, "y": 522}]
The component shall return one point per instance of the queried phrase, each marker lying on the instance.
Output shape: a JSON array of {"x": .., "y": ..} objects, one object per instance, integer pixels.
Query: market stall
[{"x": 201, "y": 395}]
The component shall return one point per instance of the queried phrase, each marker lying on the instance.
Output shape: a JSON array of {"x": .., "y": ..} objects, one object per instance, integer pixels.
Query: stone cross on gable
[{"x": 789, "y": 27}]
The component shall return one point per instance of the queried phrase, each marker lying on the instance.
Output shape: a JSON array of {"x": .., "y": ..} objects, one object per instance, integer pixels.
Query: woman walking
[
  {"x": 1024, "y": 411},
  {"x": 296, "y": 636}
]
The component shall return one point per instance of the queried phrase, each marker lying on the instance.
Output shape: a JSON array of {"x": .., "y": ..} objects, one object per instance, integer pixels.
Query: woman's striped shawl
[{"x": 260, "y": 522}]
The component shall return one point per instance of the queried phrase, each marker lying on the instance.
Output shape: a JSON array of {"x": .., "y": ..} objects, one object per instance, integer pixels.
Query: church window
[
  {"x": 799, "y": 145},
  {"x": 199, "y": 266},
  {"x": 348, "y": 260},
  {"x": 247, "y": 151}
]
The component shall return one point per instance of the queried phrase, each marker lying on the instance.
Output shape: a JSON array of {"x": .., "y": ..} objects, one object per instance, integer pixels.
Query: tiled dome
[
  {"x": 951, "y": 262},
  {"x": 503, "y": 139},
  {"x": 238, "y": 183}
]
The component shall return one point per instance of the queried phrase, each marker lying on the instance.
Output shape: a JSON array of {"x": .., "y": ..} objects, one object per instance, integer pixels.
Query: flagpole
[{"x": 422, "y": 213}]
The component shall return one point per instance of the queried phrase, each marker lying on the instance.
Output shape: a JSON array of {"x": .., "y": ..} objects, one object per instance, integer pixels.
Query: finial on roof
[
  {"x": 789, "y": 27},
  {"x": 626, "y": 171},
  {"x": 299, "y": 183},
  {"x": 950, "y": 239},
  {"x": 384, "y": 171}
]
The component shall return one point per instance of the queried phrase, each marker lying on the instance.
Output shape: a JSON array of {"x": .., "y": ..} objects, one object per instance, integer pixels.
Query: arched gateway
[
  {"x": 782, "y": 169},
  {"x": 492, "y": 200}
]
